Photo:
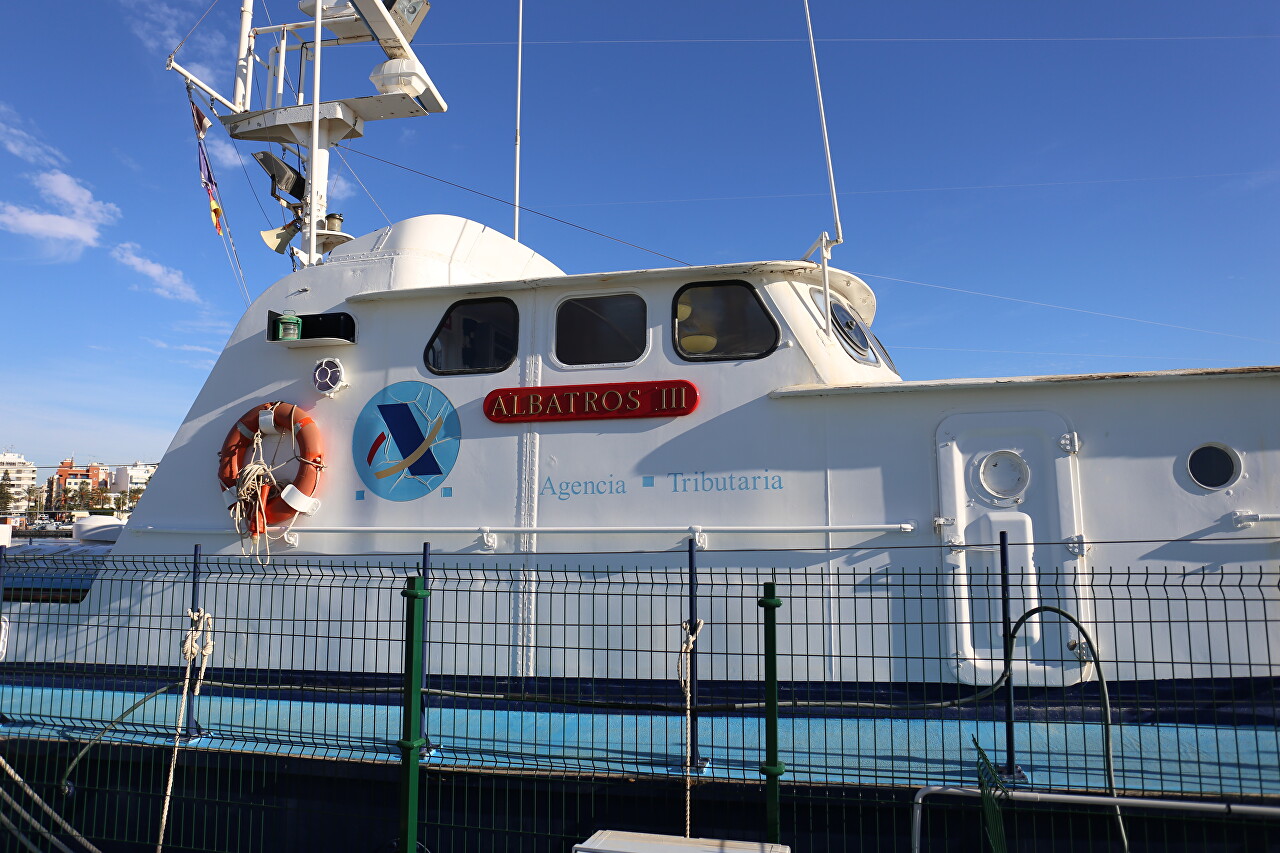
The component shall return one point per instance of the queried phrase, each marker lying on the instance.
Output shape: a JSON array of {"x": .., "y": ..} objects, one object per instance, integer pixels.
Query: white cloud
[
  {"x": 340, "y": 189},
  {"x": 53, "y": 227},
  {"x": 182, "y": 347},
  {"x": 69, "y": 231},
  {"x": 223, "y": 153},
  {"x": 165, "y": 281},
  {"x": 66, "y": 192},
  {"x": 22, "y": 144},
  {"x": 162, "y": 26}
]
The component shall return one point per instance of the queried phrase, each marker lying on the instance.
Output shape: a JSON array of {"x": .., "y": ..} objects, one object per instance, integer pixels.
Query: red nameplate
[{"x": 664, "y": 399}]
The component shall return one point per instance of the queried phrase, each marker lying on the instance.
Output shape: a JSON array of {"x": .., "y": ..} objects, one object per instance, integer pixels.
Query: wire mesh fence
[{"x": 561, "y": 694}]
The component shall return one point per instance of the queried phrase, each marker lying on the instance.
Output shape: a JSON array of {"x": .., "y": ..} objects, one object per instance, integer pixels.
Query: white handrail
[
  {"x": 917, "y": 804},
  {"x": 486, "y": 532}
]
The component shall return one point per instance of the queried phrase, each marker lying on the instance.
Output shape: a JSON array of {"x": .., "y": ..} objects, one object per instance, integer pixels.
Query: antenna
[
  {"x": 519, "y": 91},
  {"x": 404, "y": 90},
  {"x": 825, "y": 242}
]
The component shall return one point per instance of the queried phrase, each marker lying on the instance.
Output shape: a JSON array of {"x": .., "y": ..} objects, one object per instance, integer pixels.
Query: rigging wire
[
  {"x": 504, "y": 201},
  {"x": 855, "y": 40},
  {"x": 233, "y": 256},
  {"x": 928, "y": 189},
  {"x": 1040, "y": 352},
  {"x": 193, "y": 29},
  {"x": 1065, "y": 308},
  {"x": 228, "y": 240},
  {"x": 361, "y": 183}
]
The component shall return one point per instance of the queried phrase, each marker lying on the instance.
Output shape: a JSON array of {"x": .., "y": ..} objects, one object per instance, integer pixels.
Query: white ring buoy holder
[{"x": 272, "y": 502}]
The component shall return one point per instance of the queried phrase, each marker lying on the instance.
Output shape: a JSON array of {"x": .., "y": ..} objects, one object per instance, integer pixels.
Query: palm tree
[
  {"x": 35, "y": 501},
  {"x": 6, "y": 495},
  {"x": 98, "y": 498}
]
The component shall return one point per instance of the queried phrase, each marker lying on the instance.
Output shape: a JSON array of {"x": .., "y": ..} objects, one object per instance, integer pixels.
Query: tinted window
[
  {"x": 720, "y": 320},
  {"x": 601, "y": 329},
  {"x": 883, "y": 351},
  {"x": 475, "y": 336}
]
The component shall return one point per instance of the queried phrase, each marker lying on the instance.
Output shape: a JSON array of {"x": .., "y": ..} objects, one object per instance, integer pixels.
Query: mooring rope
[
  {"x": 198, "y": 642},
  {"x": 57, "y": 818},
  {"x": 48, "y": 836},
  {"x": 682, "y": 673}
]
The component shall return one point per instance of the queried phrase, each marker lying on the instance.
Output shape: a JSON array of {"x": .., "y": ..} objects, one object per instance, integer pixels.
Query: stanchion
[
  {"x": 415, "y": 594},
  {"x": 772, "y": 767},
  {"x": 695, "y": 760},
  {"x": 1010, "y": 772}
]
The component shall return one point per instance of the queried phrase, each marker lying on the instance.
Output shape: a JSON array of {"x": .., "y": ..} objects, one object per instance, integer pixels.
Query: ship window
[
  {"x": 1213, "y": 466},
  {"x": 475, "y": 336},
  {"x": 884, "y": 351},
  {"x": 849, "y": 329},
  {"x": 721, "y": 320},
  {"x": 601, "y": 329}
]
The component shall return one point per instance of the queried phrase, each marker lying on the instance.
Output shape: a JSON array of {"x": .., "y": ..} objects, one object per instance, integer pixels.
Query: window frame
[
  {"x": 553, "y": 352},
  {"x": 869, "y": 356},
  {"x": 737, "y": 282},
  {"x": 473, "y": 370}
]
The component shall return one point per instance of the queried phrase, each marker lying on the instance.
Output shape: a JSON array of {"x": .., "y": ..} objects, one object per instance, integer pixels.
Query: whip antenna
[
  {"x": 519, "y": 88},
  {"x": 824, "y": 242}
]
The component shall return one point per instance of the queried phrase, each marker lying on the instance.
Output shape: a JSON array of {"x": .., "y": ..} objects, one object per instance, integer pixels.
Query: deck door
[{"x": 1013, "y": 472}]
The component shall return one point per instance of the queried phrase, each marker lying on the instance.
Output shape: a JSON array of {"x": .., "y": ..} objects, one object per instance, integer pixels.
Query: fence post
[
  {"x": 192, "y": 727},
  {"x": 415, "y": 594},
  {"x": 772, "y": 767},
  {"x": 1010, "y": 772},
  {"x": 695, "y": 760},
  {"x": 427, "y": 747}
]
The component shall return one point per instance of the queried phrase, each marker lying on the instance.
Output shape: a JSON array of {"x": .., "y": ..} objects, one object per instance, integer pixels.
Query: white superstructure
[{"x": 448, "y": 384}]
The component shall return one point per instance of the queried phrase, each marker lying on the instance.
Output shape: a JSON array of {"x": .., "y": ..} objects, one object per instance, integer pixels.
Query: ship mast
[{"x": 311, "y": 127}]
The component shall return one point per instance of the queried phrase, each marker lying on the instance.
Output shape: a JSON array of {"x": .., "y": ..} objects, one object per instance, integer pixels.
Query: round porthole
[
  {"x": 329, "y": 376},
  {"x": 1004, "y": 474},
  {"x": 1213, "y": 466}
]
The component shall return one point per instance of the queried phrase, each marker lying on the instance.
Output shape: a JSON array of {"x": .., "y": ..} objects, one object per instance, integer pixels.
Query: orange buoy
[{"x": 277, "y": 502}]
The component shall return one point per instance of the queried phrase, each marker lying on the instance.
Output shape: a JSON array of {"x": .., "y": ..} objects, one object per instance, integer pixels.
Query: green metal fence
[{"x": 523, "y": 702}]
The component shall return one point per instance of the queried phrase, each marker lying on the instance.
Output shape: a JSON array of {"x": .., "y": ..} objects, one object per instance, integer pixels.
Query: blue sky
[{"x": 993, "y": 159}]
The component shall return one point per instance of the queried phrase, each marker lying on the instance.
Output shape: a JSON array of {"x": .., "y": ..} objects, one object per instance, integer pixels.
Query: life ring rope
[{"x": 253, "y": 491}]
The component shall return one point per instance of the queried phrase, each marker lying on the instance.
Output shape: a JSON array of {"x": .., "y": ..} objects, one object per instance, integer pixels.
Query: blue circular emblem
[{"x": 406, "y": 441}]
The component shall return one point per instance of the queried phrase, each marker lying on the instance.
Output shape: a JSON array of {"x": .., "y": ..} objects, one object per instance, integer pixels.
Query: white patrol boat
[
  {"x": 569, "y": 445},
  {"x": 435, "y": 380}
]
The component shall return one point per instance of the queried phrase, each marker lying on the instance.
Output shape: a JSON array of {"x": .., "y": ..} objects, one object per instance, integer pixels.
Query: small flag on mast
[
  {"x": 202, "y": 125},
  {"x": 200, "y": 120}
]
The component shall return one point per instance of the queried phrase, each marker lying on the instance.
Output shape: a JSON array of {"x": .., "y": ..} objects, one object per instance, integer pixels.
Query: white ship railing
[{"x": 488, "y": 534}]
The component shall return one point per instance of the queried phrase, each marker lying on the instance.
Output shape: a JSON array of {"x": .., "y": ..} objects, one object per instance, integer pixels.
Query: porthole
[
  {"x": 329, "y": 376},
  {"x": 1004, "y": 474},
  {"x": 849, "y": 328},
  {"x": 1213, "y": 466}
]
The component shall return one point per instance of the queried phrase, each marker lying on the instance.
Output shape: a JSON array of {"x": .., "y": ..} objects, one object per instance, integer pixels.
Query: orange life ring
[{"x": 280, "y": 502}]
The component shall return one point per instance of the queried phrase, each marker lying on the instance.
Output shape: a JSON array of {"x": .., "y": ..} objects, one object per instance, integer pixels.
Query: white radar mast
[{"x": 310, "y": 127}]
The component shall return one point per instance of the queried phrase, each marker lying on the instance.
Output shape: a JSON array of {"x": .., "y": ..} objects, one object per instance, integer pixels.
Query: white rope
[
  {"x": 52, "y": 839},
  {"x": 17, "y": 833},
  {"x": 198, "y": 642},
  {"x": 256, "y": 474},
  {"x": 57, "y": 818},
  {"x": 682, "y": 673}
]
